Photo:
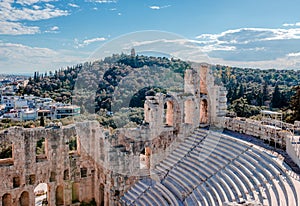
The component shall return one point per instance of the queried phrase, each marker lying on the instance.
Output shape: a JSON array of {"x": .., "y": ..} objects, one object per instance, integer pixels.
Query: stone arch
[
  {"x": 6, "y": 200},
  {"x": 24, "y": 199},
  {"x": 101, "y": 194},
  {"x": 189, "y": 109},
  {"x": 59, "y": 195},
  {"x": 169, "y": 113},
  {"x": 203, "y": 111},
  {"x": 75, "y": 192},
  {"x": 145, "y": 158},
  {"x": 52, "y": 176},
  {"x": 66, "y": 174}
]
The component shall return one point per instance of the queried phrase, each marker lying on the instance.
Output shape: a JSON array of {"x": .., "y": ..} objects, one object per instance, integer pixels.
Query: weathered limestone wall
[
  {"x": 293, "y": 149},
  {"x": 201, "y": 102},
  {"x": 60, "y": 169},
  {"x": 256, "y": 129}
]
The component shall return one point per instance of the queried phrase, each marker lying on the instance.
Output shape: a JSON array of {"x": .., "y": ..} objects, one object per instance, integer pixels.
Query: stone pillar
[
  {"x": 203, "y": 78},
  {"x": 189, "y": 81},
  {"x": 155, "y": 113}
]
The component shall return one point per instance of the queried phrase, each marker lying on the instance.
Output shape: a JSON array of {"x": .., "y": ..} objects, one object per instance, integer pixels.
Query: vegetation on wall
[{"x": 5, "y": 150}]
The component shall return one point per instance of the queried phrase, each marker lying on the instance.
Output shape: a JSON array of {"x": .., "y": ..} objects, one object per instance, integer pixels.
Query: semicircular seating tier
[{"x": 214, "y": 169}]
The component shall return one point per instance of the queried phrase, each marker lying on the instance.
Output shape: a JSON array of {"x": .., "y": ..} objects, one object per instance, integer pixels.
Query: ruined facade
[
  {"x": 83, "y": 163},
  {"x": 71, "y": 175}
]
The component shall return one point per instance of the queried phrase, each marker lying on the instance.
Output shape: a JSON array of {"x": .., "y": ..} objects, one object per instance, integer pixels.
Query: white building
[
  {"x": 67, "y": 111},
  {"x": 28, "y": 114},
  {"x": 9, "y": 101}
]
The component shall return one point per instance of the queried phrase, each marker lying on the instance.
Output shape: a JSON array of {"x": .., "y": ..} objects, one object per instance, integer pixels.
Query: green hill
[{"x": 251, "y": 89}]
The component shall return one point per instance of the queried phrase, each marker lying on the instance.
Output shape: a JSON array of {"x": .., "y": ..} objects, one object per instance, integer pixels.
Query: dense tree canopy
[
  {"x": 295, "y": 104},
  {"x": 262, "y": 89},
  {"x": 249, "y": 90}
]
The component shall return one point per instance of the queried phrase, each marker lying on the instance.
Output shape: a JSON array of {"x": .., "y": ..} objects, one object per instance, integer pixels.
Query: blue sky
[{"x": 40, "y": 35}]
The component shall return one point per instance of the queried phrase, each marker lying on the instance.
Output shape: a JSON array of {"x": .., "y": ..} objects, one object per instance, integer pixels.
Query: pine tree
[
  {"x": 276, "y": 101},
  {"x": 34, "y": 76},
  {"x": 241, "y": 91},
  {"x": 42, "y": 121},
  {"x": 265, "y": 96},
  {"x": 295, "y": 104}
]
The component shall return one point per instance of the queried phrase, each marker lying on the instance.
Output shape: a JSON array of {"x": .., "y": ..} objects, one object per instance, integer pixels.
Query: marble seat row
[{"x": 216, "y": 170}]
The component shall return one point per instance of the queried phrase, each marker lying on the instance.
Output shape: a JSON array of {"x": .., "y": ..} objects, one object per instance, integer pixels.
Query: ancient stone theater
[{"x": 187, "y": 152}]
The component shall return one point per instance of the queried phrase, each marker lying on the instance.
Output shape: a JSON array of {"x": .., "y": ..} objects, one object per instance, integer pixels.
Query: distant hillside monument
[{"x": 132, "y": 52}]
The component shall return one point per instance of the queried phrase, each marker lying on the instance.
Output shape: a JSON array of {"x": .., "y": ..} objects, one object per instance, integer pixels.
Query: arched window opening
[
  {"x": 75, "y": 192},
  {"x": 59, "y": 195},
  {"x": 52, "y": 176},
  {"x": 24, "y": 199},
  {"x": 169, "y": 113},
  {"x": 145, "y": 158},
  {"x": 6, "y": 200},
  {"x": 204, "y": 112},
  {"x": 101, "y": 195}
]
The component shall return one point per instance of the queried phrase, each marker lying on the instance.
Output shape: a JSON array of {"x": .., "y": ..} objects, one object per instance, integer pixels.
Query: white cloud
[
  {"x": 278, "y": 63},
  {"x": 102, "y": 1},
  {"x": 15, "y": 50},
  {"x": 179, "y": 44},
  {"x": 30, "y": 2},
  {"x": 73, "y": 5},
  {"x": 50, "y": 6},
  {"x": 254, "y": 47},
  {"x": 36, "y": 7},
  {"x": 54, "y": 28},
  {"x": 155, "y": 7},
  {"x": 247, "y": 35},
  {"x": 246, "y": 47},
  {"x": 88, "y": 41},
  {"x": 250, "y": 44},
  {"x": 291, "y": 24},
  {"x": 287, "y": 24},
  {"x": 15, "y": 28},
  {"x": 15, "y": 14},
  {"x": 297, "y": 54},
  {"x": 22, "y": 58},
  {"x": 12, "y": 16}
]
